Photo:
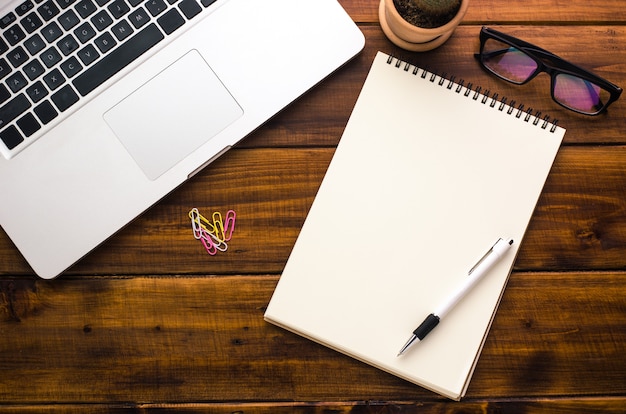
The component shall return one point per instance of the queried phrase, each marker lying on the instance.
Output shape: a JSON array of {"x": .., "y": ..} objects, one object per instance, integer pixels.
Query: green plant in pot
[{"x": 420, "y": 25}]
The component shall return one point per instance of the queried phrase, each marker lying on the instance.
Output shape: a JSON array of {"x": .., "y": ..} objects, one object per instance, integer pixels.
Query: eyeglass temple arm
[{"x": 529, "y": 47}]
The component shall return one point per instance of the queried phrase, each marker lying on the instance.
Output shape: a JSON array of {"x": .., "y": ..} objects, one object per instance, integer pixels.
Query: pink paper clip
[
  {"x": 219, "y": 244},
  {"x": 213, "y": 235},
  {"x": 229, "y": 225},
  {"x": 208, "y": 244}
]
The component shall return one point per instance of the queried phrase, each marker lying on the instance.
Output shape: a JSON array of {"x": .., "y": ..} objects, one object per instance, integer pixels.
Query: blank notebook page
[{"x": 426, "y": 177}]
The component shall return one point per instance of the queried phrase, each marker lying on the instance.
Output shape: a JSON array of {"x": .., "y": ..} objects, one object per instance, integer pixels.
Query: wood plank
[
  {"x": 158, "y": 340},
  {"x": 520, "y": 11},
  {"x": 320, "y": 118},
  {"x": 578, "y": 405},
  {"x": 579, "y": 223}
]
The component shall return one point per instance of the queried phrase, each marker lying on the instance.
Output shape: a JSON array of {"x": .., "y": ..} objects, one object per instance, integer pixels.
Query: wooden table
[{"x": 150, "y": 320}]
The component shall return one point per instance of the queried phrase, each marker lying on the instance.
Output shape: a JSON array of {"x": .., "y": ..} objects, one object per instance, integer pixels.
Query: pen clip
[{"x": 482, "y": 259}]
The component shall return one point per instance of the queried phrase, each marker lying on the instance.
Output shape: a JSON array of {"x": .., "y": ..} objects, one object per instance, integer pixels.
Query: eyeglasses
[{"x": 518, "y": 62}]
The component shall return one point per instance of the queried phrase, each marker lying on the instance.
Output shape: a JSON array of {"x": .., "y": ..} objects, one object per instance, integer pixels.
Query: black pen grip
[{"x": 425, "y": 327}]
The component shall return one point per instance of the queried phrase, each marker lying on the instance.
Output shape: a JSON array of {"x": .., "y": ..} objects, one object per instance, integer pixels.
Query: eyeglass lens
[{"x": 517, "y": 67}]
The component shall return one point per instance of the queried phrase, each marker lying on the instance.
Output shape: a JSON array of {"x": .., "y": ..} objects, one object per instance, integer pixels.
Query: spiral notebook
[{"x": 427, "y": 175}]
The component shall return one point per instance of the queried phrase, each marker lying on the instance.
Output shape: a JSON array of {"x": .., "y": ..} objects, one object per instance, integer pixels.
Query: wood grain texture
[
  {"x": 149, "y": 322},
  {"x": 579, "y": 222},
  {"x": 163, "y": 339},
  {"x": 530, "y": 12}
]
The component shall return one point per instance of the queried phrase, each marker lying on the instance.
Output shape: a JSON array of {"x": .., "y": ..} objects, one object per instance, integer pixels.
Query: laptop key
[
  {"x": 171, "y": 21},
  {"x": 4, "y": 93},
  {"x": 33, "y": 69},
  {"x": 139, "y": 18},
  {"x": 6, "y": 20},
  {"x": 3, "y": 46},
  {"x": 31, "y": 22},
  {"x": 67, "y": 45},
  {"x": 5, "y": 68},
  {"x": 71, "y": 67},
  {"x": 64, "y": 98},
  {"x": 46, "y": 112},
  {"x": 54, "y": 79},
  {"x": 190, "y": 8},
  {"x": 11, "y": 137},
  {"x": 17, "y": 57},
  {"x": 88, "y": 54},
  {"x": 84, "y": 32},
  {"x": 28, "y": 124},
  {"x": 24, "y": 7},
  {"x": 155, "y": 7},
  {"x": 14, "y": 35},
  {"x": 48, "y": 10},
  {"x": 37, "y": 91},
  {"x": 12, "y": 109},
  {"x": 118, "y": 8},
  {"x": 122, "y": 30},
  {"x": 16, "y": 81},
  {"x": 85, "y": 8},
  {"x": 52, "y": 32},
  {"x": 50, "y": 57},
  {"x": 101, "y": 20},
  {"x": 118, "y": 59},
  {"x": 35, "y": 44},
  {"x": 105, "y": 42},
  {"x": 69, "y": 19}
]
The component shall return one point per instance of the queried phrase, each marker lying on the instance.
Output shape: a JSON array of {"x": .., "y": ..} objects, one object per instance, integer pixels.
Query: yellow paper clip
[
  {"x": 218, "y": 226},
  {"x": 213, "y": 234},
  {"x": 219, "y": 244}
]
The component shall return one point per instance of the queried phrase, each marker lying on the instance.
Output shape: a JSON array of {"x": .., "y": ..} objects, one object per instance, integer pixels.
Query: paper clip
[
  {"x": 213, "y": 235},
  {"x": 219, "y": 244},
  {"x": 229, "y": 225},
  {"x": 206, "y": 224},
  {"x": 209, "y": 246},
  {"x": 218, "y": 225},
  {"x": 196, "y": 226}
]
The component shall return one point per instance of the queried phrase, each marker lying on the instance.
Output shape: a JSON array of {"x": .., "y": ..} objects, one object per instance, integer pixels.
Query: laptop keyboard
[{"x": 53, "y": 53}]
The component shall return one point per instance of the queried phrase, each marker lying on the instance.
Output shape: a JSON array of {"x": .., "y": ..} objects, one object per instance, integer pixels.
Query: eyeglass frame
[{"x": 558, "y": 66}]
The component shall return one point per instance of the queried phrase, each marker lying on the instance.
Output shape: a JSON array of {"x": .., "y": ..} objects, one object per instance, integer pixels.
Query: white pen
[{"x": 476, "y": 273}]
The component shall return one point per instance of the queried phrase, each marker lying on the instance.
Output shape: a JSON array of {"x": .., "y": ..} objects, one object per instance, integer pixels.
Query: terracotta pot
[{"x": 414, "y": 38}]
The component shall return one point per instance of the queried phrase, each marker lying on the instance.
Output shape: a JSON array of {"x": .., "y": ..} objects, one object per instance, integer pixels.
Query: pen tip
[{"x": 407, "y": 345}]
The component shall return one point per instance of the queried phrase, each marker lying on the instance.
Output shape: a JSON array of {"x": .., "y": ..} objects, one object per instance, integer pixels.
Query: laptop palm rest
[{"x": 173, "y": 114}]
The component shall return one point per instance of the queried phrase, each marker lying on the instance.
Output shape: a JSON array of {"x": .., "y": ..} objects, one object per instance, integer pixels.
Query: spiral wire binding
[{"x": 476, "y": 93}]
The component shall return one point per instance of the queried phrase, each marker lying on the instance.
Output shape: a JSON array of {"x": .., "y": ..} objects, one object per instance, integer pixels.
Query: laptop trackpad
[{"x": 173, "y": 114}]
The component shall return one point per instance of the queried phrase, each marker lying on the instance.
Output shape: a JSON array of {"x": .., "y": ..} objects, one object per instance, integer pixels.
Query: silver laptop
[{"x": 107, "y": 105}]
